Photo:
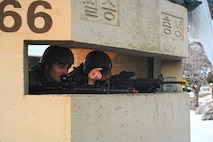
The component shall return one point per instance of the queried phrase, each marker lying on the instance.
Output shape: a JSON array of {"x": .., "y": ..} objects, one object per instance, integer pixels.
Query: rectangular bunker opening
[{"x": 146, "y": 67}]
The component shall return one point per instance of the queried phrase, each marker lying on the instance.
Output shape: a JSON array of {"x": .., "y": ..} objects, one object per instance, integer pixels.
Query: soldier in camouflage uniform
[
  {"x": 55, "y": 62},
  {"x": 95, "y": 68}
]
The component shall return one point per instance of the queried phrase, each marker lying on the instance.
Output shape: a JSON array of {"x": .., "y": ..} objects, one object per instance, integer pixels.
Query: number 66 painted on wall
[{"x": 31, "y": 16}]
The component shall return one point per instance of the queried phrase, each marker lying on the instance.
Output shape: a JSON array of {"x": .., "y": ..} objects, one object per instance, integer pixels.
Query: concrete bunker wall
[{"x": 139, "y": 30}]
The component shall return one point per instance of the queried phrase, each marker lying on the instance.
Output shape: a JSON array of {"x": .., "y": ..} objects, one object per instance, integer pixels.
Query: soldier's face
[{"x": 57, "y": 70}]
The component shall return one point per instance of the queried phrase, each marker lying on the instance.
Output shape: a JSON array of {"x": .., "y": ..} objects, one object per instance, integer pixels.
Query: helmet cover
[
  {"x": 57, "y": 54},
  {"x": 97, "y": 59}
]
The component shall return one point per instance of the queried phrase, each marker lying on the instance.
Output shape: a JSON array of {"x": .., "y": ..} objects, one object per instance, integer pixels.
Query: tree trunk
[
  {"x": 212, "y": 93},
  {"x": 196, "y": 96}
]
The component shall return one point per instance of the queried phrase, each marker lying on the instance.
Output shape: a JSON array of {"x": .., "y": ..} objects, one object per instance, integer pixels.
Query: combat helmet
[
  {"x": 57, "y": 54},
  {"x": 97, "y": 59}
]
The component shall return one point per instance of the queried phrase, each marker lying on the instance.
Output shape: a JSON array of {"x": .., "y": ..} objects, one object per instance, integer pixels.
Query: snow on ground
[{"x": 201, "y": 131}]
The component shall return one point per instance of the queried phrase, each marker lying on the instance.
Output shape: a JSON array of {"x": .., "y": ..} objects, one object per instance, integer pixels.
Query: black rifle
[
  {"x": 72, "y": 88},
  {"x": 119, "y": 83},
  {"x": 142, "y": 85}
]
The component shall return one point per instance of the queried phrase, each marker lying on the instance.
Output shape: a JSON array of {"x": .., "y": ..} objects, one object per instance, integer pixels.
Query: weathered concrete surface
[
  {"x": 155, "y": 117},
  {"x": 150, "y": 26},
  {"x": 141, "y": 25}
]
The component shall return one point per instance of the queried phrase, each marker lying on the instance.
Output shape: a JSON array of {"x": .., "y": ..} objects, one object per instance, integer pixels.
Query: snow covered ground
[{"x": 201, "y": 131}]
